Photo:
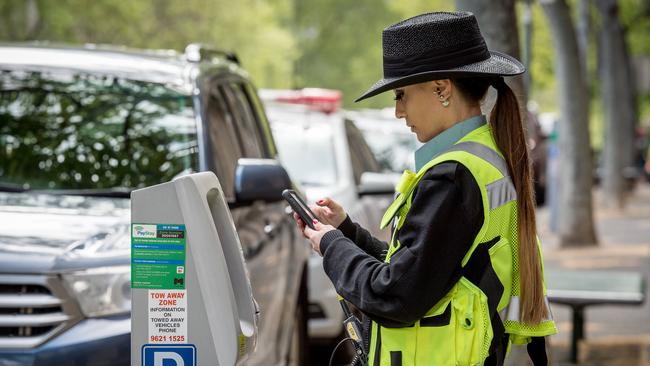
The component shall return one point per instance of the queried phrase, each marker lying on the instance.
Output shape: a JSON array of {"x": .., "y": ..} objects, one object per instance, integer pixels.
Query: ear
[{"x": 442, "y": 87}]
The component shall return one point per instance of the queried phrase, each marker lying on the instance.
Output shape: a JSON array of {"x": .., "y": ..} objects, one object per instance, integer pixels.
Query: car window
[
  {"x": 64, "y": 130},
  {"x": 306, "y": 151},
  {"x": 224, "y": 139},
  {"x": 393, "y": 150},
  {"x": 245, "y": 122},
  {"x": 362, "y": 157},
  {"x": 262, "y": 120}
]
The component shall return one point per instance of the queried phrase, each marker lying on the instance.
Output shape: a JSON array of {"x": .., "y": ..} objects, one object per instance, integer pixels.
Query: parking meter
[{"x": 192, "y": 299}]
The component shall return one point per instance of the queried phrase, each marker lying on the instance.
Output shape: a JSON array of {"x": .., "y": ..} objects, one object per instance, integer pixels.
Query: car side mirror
[
  {"x": 377, "y": 183},
  {"x": 260, "y": 180}
]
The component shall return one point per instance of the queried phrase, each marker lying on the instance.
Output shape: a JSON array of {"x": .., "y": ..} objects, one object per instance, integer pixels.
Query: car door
[
  {"x": 292, "y": 257},
  {"x": 363, "y": 160},
  {"x": 263, "y": 228}
]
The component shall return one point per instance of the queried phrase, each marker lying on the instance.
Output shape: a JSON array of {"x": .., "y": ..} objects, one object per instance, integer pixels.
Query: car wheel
[{"x": 298, "y": 354}]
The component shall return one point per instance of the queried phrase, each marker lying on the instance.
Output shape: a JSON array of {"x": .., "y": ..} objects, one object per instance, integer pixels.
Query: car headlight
[{"x": 101, "y": 291}]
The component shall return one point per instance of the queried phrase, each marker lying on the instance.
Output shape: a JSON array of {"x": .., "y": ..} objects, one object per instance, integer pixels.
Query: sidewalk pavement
[{"x": 615, "y": 335}]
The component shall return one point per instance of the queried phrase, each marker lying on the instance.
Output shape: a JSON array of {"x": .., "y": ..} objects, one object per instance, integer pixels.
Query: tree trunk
[
  {"x": 575, "y": 221},
  {"x": 498, "y": 23},
  {"x": 632, "y": 103},
  {"x": 584, "y": 29},
  {"x": 528, "y": 43},
  {"x": 616, "y": 96},
  {"x": 32, "y": 19}
]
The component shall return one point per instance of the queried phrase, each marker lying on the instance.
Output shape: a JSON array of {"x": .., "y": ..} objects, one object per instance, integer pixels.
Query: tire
[{"x": 298, "y": 354}]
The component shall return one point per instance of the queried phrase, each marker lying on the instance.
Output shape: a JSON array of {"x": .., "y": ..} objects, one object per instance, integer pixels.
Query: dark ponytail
[
  {"x": 508, "y": 131},
  {"x": 509, "y": 134}
]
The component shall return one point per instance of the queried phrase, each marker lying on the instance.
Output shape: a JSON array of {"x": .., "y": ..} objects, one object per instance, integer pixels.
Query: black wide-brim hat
[{"x": 436, "y": 46}]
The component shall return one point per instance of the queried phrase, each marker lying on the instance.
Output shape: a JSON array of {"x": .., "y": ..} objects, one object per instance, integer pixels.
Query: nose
[{"x": 399, "y": 111}]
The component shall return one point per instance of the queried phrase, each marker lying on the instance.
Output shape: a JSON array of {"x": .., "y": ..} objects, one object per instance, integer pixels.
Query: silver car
[
  {"x": 82, "y": 127},
  {"x": 328, "y": 156}
]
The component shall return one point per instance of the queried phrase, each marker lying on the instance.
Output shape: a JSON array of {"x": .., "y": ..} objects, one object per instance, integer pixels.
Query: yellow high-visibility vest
[{"x": 459, "y": 329}]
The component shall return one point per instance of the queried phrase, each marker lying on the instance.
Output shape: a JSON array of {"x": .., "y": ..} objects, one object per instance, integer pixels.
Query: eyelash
[{"x": 398, "y": 97}]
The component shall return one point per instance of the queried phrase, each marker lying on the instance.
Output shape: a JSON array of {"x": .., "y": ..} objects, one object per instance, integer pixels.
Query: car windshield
[
  {"x": 394, "y": 151},
  {"x": 307, "y": 152},
  {"x": 74, "y": 131}
]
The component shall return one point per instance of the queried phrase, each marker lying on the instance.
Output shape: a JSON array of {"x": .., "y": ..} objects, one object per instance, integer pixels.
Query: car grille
[{"x": 33, "y": 308}]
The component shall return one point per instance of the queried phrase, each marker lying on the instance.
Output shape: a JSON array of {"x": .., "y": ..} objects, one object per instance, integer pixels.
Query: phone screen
[
  {"x": 302, "y": 205},
  {"x": 299, "y": 207}
]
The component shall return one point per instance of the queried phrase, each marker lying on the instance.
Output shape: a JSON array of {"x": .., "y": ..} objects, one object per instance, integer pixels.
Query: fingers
[
  {"x": 316, "y": 209},
  {"x": 330, "y": 204},
  {"x": 299, "y": 223},
  {"x": 321, "y": 212},
  {"x": 325, "y": 202},
  {"x": 298, "y": 220},
  {"x": 309, "y": 232}
]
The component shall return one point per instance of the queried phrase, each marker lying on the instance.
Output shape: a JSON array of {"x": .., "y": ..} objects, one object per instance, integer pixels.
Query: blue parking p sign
[{"x": 168, "y": 355}]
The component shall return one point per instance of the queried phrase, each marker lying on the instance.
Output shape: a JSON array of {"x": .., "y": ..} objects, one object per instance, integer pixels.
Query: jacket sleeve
[
  {"x": 439, "y": 229},
  {"x": 363, "y": 239}
]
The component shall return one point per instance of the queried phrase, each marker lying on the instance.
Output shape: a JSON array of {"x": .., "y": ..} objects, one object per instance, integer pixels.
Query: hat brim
[{"x": 499, "y": 64}]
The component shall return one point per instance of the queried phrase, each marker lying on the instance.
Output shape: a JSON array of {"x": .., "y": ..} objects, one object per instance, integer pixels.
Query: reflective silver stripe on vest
[
  {"x": 501, "y": 192},
  {"x": 511, "y": 312},
  {"x": 484, "y": 153}
]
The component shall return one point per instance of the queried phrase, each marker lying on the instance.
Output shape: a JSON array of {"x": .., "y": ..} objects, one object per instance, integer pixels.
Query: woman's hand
[
  {"x": 314, "y": 236},
  {"x": 329, "y": 212}
]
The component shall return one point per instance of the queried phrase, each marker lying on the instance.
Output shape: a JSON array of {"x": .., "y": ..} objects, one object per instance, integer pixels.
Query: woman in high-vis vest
[{"x": 462, "y": 277}]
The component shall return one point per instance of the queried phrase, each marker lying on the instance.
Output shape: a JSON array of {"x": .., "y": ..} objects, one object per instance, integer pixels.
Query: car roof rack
[{"x": 197, "y": 52}]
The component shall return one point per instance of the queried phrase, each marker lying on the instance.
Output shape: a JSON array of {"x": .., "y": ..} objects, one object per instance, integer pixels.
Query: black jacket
[{"x": 439, "y": 229}]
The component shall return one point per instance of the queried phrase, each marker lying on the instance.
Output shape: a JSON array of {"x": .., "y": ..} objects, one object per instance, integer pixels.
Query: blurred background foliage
[{"x": 292, "y": 43}]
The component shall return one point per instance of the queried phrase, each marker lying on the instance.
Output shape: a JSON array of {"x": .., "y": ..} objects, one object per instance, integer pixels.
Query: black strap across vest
[{"x": 480, "y": 272}]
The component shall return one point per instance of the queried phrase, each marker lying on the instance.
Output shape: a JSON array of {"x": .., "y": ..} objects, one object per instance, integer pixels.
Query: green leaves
[{"x": 282, "y": 43}]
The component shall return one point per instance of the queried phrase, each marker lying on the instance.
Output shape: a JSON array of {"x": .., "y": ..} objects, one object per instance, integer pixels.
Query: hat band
[{"x": 434, "y": 61}]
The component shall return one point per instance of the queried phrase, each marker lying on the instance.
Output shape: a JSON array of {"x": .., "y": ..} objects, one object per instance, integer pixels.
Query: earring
[{"x": 445, "y": 103}]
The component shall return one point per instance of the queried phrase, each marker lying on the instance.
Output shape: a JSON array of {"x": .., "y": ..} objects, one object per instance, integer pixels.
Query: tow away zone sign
[{"x": 167, "y": 316}]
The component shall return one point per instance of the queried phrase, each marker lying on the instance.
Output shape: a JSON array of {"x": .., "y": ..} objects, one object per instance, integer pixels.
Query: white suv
[{"x": 327, "y": 155}]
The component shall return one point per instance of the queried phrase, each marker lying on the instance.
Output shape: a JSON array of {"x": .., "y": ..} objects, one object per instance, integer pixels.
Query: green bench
[{"x": 579, "y": 289}]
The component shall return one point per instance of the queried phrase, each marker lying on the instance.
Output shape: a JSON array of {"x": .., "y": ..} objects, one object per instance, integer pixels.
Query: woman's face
[{"x": 420, "y": 106}]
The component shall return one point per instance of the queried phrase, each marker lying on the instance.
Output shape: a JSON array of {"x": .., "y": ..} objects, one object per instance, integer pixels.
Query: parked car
[
  {"x": 390, "y": 140},
  {"x": 82, "y": 127},
  {"x": 328, "y": 156}
]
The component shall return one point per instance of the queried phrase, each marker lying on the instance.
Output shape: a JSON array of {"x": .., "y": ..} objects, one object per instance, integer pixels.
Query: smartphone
[{"x": 300, "y": 207}]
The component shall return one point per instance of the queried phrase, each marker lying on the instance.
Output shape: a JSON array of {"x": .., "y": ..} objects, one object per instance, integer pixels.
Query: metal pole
[{"x": 578, "y": 331}]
